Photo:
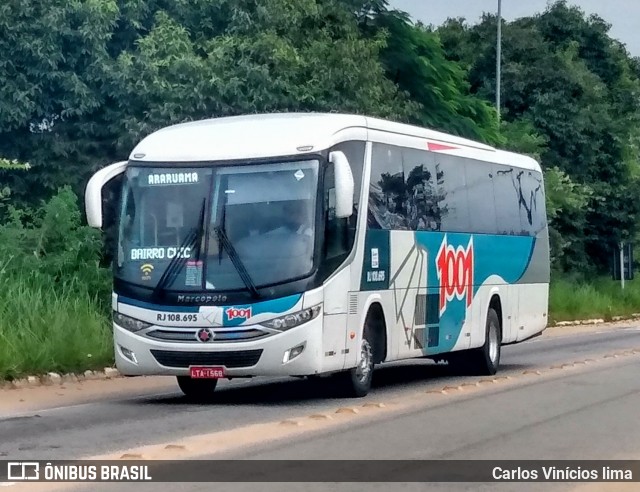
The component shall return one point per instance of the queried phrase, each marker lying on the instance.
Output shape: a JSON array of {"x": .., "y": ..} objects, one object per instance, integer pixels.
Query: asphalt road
[
  {"x": 489, "y": 426},
  {"x": 583, "y": 416},
  {"x": 580, "y": 414}
]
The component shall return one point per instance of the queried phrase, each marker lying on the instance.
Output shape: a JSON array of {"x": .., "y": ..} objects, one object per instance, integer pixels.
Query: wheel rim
[
  {"x": 493, "y": 343},
  {"x": 363, "y": 370}
]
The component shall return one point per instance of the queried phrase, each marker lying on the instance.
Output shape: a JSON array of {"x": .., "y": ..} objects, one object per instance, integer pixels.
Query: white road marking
[{"x": 7, "y": 484}]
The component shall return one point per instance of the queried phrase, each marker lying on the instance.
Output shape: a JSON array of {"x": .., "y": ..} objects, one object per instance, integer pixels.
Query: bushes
[
  {"x": 598, "y": 298},
  {"x": 50, "y": 328},
  {"x": 54, "y": 296}
]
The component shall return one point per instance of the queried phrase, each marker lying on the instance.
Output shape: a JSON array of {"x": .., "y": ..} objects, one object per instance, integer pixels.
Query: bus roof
[{"x": 279, "y": 134}]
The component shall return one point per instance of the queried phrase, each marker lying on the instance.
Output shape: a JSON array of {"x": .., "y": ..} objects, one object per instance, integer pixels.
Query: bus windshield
[{"x": 223, "y": 228}]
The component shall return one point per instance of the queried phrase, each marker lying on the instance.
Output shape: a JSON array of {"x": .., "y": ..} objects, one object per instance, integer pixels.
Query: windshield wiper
[
  {"x": 237, "y": 262},
  {"x": 177, "y": 262}
]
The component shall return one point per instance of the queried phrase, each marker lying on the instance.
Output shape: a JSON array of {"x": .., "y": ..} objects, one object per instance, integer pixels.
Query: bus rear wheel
[
  {"x": 484, "y": 361},
  {"x": 197, "y": 389}
]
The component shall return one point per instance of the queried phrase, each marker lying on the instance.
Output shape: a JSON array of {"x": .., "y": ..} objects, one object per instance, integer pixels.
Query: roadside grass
[
  {"x": 600, "y": 298},
  {"x": 48, "y": 328},
  {"x": 55, "y": 299}
]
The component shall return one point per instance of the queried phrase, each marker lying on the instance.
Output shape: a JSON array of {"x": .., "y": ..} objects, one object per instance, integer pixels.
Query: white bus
[{"x": 321, "y": 244}]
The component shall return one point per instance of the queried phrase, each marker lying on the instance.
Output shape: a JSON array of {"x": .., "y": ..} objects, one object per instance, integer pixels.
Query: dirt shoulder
[
  {"x": 555, "y": 331},
  {"x": 15, "y": 401}
]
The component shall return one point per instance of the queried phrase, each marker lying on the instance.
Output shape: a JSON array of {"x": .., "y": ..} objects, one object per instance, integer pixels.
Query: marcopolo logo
[
  {"x": 238, "y": 313},
  {"x": 455, "y": 273}
]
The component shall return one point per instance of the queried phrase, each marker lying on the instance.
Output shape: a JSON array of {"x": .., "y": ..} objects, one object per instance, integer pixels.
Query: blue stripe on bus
[
  {"x": 158, "y": 307},
  {"x": 507, "y": 257},
  {"x": 276, "y": 306}
]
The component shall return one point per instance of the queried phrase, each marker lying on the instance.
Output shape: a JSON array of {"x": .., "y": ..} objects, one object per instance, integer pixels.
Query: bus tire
[
  {"x": 484, "y": 361},
  {"x": 197, "y": 389},
  {"x": 356, "y": 382}
]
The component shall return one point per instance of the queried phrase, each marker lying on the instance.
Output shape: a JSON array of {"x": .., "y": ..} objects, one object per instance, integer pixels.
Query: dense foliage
[
  {"x": 55, "y": 299},
  {"x": 83, "y": 81},
  {"x": 569, "y": 84}
]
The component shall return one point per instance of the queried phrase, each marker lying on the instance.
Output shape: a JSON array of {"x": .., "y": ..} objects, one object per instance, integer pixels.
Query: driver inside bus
[
  {"x": 296, "y": 220},
  {"x": 289, "y": 228},
  {"x": 292, "y": 220}
]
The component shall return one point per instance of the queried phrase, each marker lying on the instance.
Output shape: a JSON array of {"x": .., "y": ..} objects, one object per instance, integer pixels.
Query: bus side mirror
[
  {"x": 93, "y": 192},
  {"x": 343, "y": 184}
]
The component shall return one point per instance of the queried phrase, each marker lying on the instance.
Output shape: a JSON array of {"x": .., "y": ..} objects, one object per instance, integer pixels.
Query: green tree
[
  {"x": 5, "y": 166},
  {"x": 416, "y": 61},
  {"x": 575, "y": 91},
  {"x": 83, "y": 81},
  {"x": 568, "y": 205}
]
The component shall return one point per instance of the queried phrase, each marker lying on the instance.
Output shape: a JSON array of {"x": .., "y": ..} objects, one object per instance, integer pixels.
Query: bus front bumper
[{"x": 296, "y": 352}]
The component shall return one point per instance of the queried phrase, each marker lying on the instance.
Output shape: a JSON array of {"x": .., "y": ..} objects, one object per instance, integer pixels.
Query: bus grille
[
  {"x": 353, "y": 304},
  {"x": 238, "y": 358},
  {"x": 220, "y": 336}
]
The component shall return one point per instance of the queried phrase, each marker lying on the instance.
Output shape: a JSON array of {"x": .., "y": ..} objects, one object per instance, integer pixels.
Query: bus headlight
[
  {"x": 129, "y": 323},
  {"x": 292, "y": 320}
]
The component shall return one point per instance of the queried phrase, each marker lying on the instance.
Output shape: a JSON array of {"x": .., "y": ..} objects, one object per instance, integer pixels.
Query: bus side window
[
  {"x": 339, "y": 233},
  {"x": 480, "y": 186},
  {"x": 388, "y": 204},
  {"x": 424, "y": 192}
]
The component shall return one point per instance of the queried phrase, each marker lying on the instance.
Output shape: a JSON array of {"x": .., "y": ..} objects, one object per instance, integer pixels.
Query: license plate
[{"x": 206, "y": 372}]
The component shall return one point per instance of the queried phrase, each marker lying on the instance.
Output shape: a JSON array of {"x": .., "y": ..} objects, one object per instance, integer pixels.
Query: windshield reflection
[{"x": 264, "y": 215}]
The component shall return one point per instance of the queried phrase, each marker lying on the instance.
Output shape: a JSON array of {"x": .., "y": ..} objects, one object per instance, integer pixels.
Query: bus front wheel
[
  {"x": 356, "y": 382},
  {"x": 197, "y": 389}
]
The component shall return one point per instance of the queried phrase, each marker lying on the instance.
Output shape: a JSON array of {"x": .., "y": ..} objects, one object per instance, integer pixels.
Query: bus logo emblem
[
  {"x": 204, "y": 335},
  {"x": 455, "y": 273},
  {"x": 235, "y": 313}
]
